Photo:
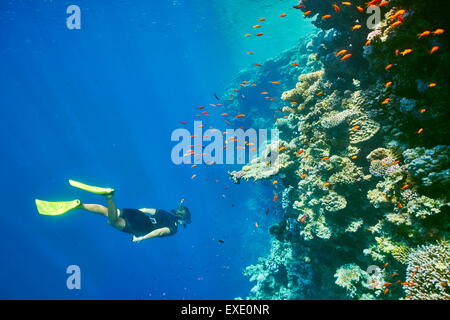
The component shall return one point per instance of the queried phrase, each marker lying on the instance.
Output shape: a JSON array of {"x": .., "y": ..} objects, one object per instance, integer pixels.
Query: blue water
[{"x": 98, "y": 105}]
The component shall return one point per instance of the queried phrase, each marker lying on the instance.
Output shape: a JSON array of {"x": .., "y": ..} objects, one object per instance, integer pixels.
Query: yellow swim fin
[
  {"x": 85, "y": 187},
  {"x": 56, "y": 208}
]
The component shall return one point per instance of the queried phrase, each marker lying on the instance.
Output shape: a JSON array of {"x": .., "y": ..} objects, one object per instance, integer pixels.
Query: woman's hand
[{"x": 136, "y": 239}]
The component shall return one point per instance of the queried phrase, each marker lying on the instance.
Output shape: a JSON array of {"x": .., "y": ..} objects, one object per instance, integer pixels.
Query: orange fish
[
  {"x": 257, "y": 65},
  {"x": 354, "y": 157},
  {"x": 396, "y": 23},
  {"x": 257, "y": 26},
  {"x": 283, "y": 15},
  {"x": 424, "y": 34},
  {"x": 327, "y": 16},
  {"x": 304, "y": 175},
  {"x": 275, "y": 82},
  {"x": 438, "y": 31},
  {"x": 383, "y": 3},
  {"x": 420, "y": 131},
  {"x": 264, "y": 92},
  {"x": 224, "y": 114},
  {"x": 193, "y": 166},
  {"x": 303, "y": 218},
  {"x": 326, "y": 184},
  {"x": 423, "y": 110},
  {"x": 386, "y": 264},
  {"x": 275, "y": 182},
  {"x": 307, "y": 13},
  {"x": 356, "y": 27},
  {"x": 386, "y": 101},
  {"x": 275, "y": 198},
  {"x": 368, "y": 42},
  {"x": 399, "y": 13},
  {"x": 336, "y": 8},
  {"x": 434, "y": 49},
  {"x": 348, "y": 55},
  {"x": 299, "y": 152},
  {"x": 341, "y": 52},
  {"x": 356, "y": 127},
  {"x": 388, "y": 84},
  {"x": 325, "y": 158},
  {"x": 319, "y": 93},
  {"x": 386, "y": 284},
  {"x": 281, "y": 148},
  {"x": 236, "y": 90},
  {"x": 399, "y": 205},
  {"x": 394, "y": 274},
  {"x": 294, "y": 64},
  {"x": 388, "y": 66},
  {"x": 262, "y": 19},
  {"x": 373, "y": 2},
  {"x": 240, "y": 115},
  {"x": 193, "y": 176},
  {"x": 386, "y": 291},
  {"x": 259, "y": 34},
  {"x": 360, "y": 9},
  {"x": 406, "y": 186},
  {"x": 247, "y": 35},
  {"x": 250, "y": 52},
  {"x": 346, "y": 3}
]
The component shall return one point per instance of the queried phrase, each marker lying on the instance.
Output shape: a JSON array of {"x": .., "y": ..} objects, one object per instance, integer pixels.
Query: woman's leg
[
  {"x": 95, "y": 208},
  {"x": 112, "y": 213}
]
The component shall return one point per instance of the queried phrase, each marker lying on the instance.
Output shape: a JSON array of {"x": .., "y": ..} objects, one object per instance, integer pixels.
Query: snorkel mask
[{"x": 182, "y": 213}]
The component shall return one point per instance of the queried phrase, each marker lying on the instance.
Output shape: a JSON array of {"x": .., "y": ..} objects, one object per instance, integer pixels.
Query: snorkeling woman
[{"x": 142, "y": 223}]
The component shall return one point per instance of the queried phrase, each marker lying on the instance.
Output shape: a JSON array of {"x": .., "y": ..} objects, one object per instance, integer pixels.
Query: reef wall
[{"x": 365, "y": 157}]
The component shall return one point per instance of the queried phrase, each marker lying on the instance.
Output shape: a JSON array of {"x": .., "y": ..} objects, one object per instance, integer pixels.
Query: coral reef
[
  {"x": 366, "y": 162},
  {"x": 428, "y": 273},
  {"x": 282, "y": 275}
]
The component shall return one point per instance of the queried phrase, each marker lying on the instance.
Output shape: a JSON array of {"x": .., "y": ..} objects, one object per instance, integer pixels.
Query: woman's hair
[{"x": 182, "y": 213}]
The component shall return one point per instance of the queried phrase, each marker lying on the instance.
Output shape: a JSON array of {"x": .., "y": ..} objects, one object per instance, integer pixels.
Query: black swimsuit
[{"x": 139, "y": 223}]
